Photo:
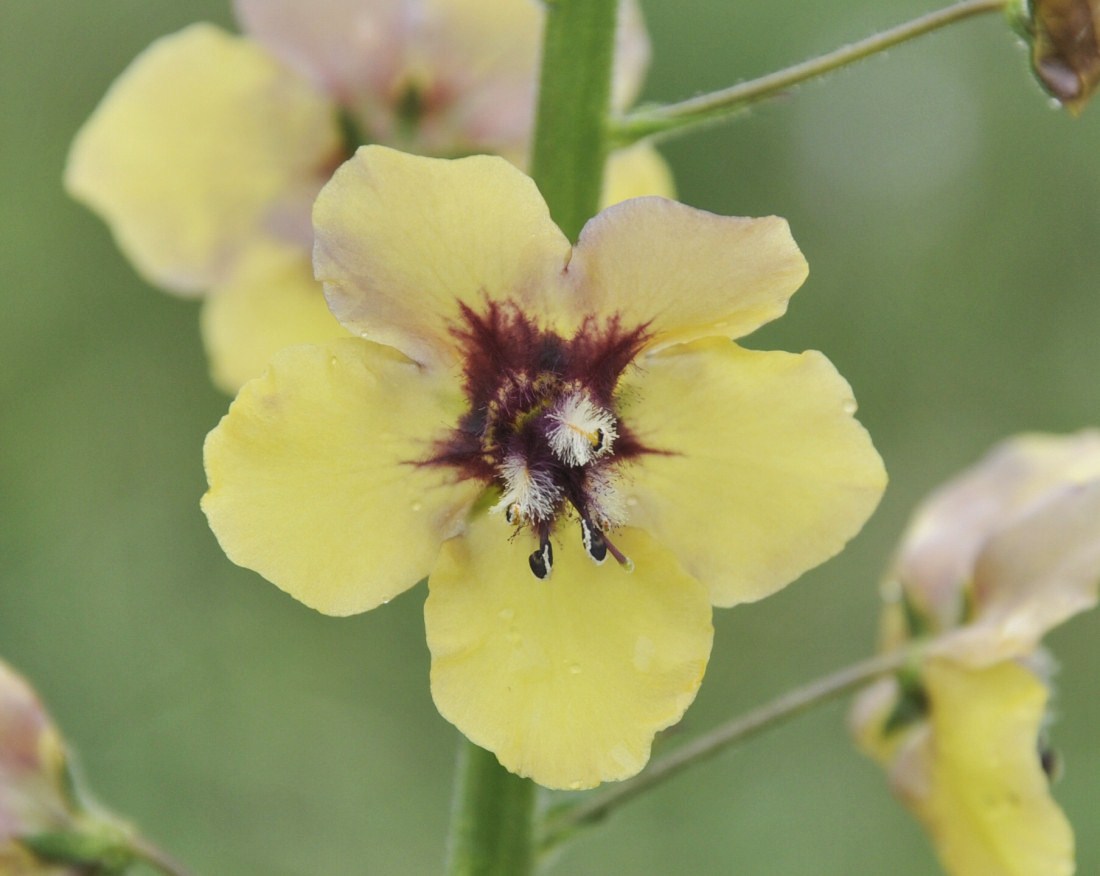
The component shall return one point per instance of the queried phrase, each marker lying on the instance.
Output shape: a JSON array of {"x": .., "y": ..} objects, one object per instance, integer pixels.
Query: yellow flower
[
  {"x": 516, "y": 411},
  {"x": 991, "y": 561},
  {"x": 206, "y": 154}
]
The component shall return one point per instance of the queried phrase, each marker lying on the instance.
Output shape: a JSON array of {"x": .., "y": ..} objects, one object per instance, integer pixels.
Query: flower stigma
[{"x": 542, "y": 425}]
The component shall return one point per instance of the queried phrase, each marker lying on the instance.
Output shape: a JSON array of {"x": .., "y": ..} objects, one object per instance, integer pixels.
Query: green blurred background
[{"x": 950, "y": 218}]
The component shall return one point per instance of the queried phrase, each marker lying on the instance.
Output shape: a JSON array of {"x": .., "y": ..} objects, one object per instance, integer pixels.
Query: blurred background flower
[{"x": 950, "y": 218}]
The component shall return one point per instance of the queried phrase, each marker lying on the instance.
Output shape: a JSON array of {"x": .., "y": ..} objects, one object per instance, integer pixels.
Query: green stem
[
  {"x": 571, "y": 136},
  {"x": 719, "y": 105},
  {"x": 491, "y": 820},
  {"x": 493, "y": 815},
  {"x": 783, "y": 708}
]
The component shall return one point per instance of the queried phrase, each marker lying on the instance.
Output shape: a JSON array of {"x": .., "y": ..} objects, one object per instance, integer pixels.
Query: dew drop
[
  {"x": 576, "y": 786},
  {"x": 574, "y": 669},
  {"x": 628, "y": 566},
  {"x": 417, "y": 506},
  {"x": 632, "y": 501},
  {"x": 506, "y": 614},
  {"x": 333, "y": 361},
  {"x": 849, "y": 406}
]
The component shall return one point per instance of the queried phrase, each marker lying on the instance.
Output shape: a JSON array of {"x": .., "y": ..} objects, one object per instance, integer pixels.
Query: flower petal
[
  {"x": 566, "y": 680},
  {"x": 760, "y": 470},
  {"x": 403, "y": 241},
  {"x": 977, "y": 783},
  {"x": 310, "y": 477},
  {"x": 271, "y": 302},
  {"x": 635, "y": 172},
  {"x": 345, "y": 47},
  {"x": 953, "y": 525},
  {"x": 687, "y": 273},
  {"x": 1031, "y": 577},
  {"x": 202, "y": 145}
]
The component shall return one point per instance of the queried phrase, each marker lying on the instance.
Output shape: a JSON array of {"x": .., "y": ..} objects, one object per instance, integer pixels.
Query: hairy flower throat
[{"x": 543, "y": 426}]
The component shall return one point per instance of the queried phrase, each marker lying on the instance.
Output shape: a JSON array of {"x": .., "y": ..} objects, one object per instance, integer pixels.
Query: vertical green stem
[
  {"x": 571, "y": 126},
  {"x": 492, "y": 818}
]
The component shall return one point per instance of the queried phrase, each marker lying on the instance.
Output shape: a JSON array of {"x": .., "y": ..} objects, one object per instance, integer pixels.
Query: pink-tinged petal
[
  {"x": 313, "y": 474},
  {"x": 403, "y": 242},
  {"x": 974, "y": 778},
  {"x": 203, "y": 145},
  {"x": 759, "y": 470},
  {"x": 344, "y": 47},
  {"x": 686, "y": 273},
  {"x": 32, "y": 762},
  {"x": 567, "y": 679},
  {"x": 631, "y": 55},
  {"x": 953, "y": 525},
  {"x": 270, "y": 302},
  {"x": 1030, "y": 577}
]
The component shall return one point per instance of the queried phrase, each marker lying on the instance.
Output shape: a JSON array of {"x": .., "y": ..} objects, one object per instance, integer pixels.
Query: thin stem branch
[
  {"x": 156, "y": 857},
  {"x": 718, "y": 105},
  {"x": 781, "y": 709}
]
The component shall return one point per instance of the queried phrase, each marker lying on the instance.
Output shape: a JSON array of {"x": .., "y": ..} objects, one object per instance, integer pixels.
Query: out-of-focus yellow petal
[
  {"x": 634, "y": 173},
  {"x": 312, "y": 481},
  {"x": 760, "y": 470},
  {"x": 954, "y": 524},
  {"x": 567, "y": 680},
  {"x": 271, "y": 302},
  {"x": 402, "y": 241},
  {"x": 977, "y": 783},
  {"x": 687, "y": 273},
  {"x": 1031, "y": 577},
  {"x": 203, "y": 144}
]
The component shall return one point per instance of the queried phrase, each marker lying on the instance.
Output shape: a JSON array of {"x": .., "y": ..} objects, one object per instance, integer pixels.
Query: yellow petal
[
  {"x": 687, "y": 273},
  {"x": 1031, "y": 577},
  {"x": 977, "y": 784},
  {"x": 271, "y": 302},
  {"x": 954, "y": 524},
  {"x": 202, "y": 144},
  {"x": 311, "y": 475},
  {"x": 761, "y": 471},
  {"x": 402, "y": 241},
  {"x": 566, "y": 680},
  {"x": 634, "y": 173}
]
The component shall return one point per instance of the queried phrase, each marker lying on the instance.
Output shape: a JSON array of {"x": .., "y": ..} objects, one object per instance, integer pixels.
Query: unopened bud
[{"x": 1065, "y": 48}]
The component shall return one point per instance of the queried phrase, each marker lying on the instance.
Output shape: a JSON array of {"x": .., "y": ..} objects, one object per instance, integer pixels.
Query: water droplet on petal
[
  {"x": 574, "y": 669},
  {"x": 632, "y": 501},
  {"x": 849, "y": 406},
  {"x": 576, "y": 786},
  {"x": 628, "y": 566},
  {"x": 417, "y": 506},
  {"x": 333, "y": 361},
  {"x": 506, "y": 614}
]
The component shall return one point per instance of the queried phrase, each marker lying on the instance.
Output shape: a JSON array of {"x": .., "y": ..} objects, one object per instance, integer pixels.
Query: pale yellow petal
[
  {"x": 634, "y": 173},
  {"x": 271, "y": 302},
  {"x": 1030, "y": 577},
  {"x": 977, "y": 783},
  {"x": 313, "y": 481},
  {"x": 403, "y": 241},
  {"x": 685, "y": 272},
  {"x": 566, "y": 680},
  {"x": 204, "y": 143},
  {"x": 760, "y": 471},
  {"x": 952, "y": 526}
]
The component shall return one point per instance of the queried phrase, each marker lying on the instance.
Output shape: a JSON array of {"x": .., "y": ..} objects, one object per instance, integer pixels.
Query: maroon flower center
[{"x": 543, "y": 425}]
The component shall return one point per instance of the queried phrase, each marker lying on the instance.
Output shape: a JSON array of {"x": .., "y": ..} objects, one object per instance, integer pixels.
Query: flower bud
[{"x": 1065, "y": 48}]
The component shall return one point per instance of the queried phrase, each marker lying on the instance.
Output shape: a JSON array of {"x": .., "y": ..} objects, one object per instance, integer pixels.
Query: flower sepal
[{"x": 96, "y": 843}]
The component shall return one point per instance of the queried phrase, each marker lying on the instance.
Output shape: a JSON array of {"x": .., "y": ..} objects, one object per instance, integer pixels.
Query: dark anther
[
  {"x": 542, "y": 560},
  {"x": 594, "y": 543}
]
